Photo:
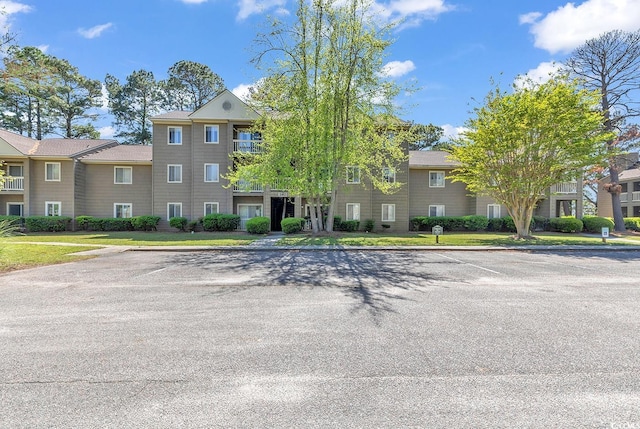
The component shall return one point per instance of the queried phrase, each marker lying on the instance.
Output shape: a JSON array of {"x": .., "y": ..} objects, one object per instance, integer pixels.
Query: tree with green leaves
[
  {"x": 426, "y": 137},
  {"x": 133, "y": 104},
  {"x": 519, "y": 144},
  {"x": 610, "y": 64},
  {"x": 190, "y": 86},
  {"x": 326, "y": 105}
]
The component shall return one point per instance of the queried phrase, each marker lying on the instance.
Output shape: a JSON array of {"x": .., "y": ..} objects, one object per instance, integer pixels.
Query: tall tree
[
  {"x": 190, "y": 86},
  {"x": 520, "y": 144},
  {"x": 133, "y": 104},
  {"x": 426, "y": 137},
  {"x": 326, "y": 105},
  {"x": 610, "y": 64},
  {"x": 73, "y": 98}
]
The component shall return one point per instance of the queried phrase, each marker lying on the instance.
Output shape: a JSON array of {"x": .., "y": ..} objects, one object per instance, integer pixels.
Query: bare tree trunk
[
  {"x": 618, "y": 218},
  {"x": 330, "y": 225},
  {"x": 320, "y": 215},
  {"x": 313, "y": 216}
]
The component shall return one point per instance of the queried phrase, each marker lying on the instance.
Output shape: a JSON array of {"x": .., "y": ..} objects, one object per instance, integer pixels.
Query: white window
[
  {"x": 353, "y": 175},
  {"x": 53, "y": 208},
  {"x": 175, "y": 135},
  {"x": 14, "y": 170},
  {"x": 122, "y": 175},
  {"x": 52, "y": 171},
  {"x": 436, "y": 210},
  {"x": 353, "y": 211},
  {"x": 493, "y": 211},
  {"x": 211, "y": 173},
  {"x": 211, "y": 208},
  {"x": 388, "y": 213},
  {"x": 212, "y": 134},
  {"x": 389, "y": 175},
  {"x": 436, "y": 179},
  {"x": 15, "y": 209},
  {"x": 123, "y": 210},
  {"x": 174, "y": 173},
  {"x": 174, "y": 210},
  {"x": 248, "y": 211}
]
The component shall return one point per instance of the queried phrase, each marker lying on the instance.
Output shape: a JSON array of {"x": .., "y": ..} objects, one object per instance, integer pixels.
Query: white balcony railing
[
  {"x": 635, "y": 196},
  {"x": 247, "y": 146},
  {"x": 243, "y": 186},
  {"x": 565, "y": 188},
  {"x": 13, "y": 183}
]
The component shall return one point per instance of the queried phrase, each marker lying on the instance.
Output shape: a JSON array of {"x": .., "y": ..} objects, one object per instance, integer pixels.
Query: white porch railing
[
  {"x": 247, "y": 187},
  {"x": 247, "y": 146},
  {"x": 565, "y": 188},
  {"x": 13, "y": 183},
  {"x": 635, "y": 196}
]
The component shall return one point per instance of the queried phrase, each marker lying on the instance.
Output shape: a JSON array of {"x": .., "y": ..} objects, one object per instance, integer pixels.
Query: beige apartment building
[
  {"x": 629, "y": 180},
  {"x": 182, "y": 174}
]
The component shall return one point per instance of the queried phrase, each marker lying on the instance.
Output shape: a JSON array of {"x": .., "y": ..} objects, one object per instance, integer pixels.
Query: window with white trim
[
  {"x": 124, "y": 210},
  {"x": 436, "y": 179},
  {"x": 122, "y": 175},
  {"x": 388, "y": 213},
  {"x": 211, "y": 173},
  {"x": 174, "y": 173},
  {"x": 52, "y": 171},
  {"x": 353, "y": 211},
  {"x": 353, "y": 175},
  {"x": 53, "y": 208},
  {"x": 174, "y": 210},
  {"x": 15, "y": 209},
  {"x": 389, "y": 175},
  {"x": 212, "y": 134},
  {"x": 436, "y": 210},
  {"x": 211, "y": 208},
  {"x": 493, "y": 211},
  {"x": 175, "y": 135}
]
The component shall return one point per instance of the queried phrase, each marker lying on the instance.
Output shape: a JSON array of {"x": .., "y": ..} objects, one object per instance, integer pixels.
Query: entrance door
[{"x": 281, "y": 208}]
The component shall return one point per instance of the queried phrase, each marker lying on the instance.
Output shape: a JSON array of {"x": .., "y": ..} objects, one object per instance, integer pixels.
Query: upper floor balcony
[
  {"x": 245, "y": 186},
  {"x": 635, "y": 196},
  {"x": 247, "y": 146},
  {"x": 13, "y": 183},
  {"x": 565, "y": 188}
]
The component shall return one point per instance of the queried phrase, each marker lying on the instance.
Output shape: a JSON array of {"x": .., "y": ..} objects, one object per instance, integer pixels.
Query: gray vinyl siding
[
  {"x": 102, "y": 193},
  {"x": 42, "y": 191},
  {"x": 401, "y": 200},
  {"x": 454, "y": 195},
  {"x": 80, "y": 195}
]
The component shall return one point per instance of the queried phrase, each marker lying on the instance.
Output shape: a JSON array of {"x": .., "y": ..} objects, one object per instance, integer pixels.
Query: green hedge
[
  {"x": 595, "y": 224},
  {"x": 632, "y": 223},
  {"x": 258, "y": 225},
  {"x": 178, "y": 222},
  {"x": 145, "y": 223},
  {"x": 12, "y": 220},
  {"x": 47, "y": 223},
  {"x": 90, "y": 223},
  {"x": 292, "y": 225},
  {"x": 566, "y": 224},
  {"x": 220, "y": 222},
  {"x": 369, "y": 225}
]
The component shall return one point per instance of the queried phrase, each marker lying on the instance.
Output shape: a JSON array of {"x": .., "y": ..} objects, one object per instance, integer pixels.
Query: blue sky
[{"x": 451, "y": 49}]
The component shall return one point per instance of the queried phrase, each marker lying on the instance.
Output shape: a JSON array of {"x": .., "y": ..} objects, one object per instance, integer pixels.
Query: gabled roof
[
  {"x": 225, "y": 106},
  {"x": 181, "y": 115},
  {"x": 430, "y": 159},
  {"x": 121, "y": 153},
  {"x": 49, "y": 147},
  {"x": 630, "y": 174}
]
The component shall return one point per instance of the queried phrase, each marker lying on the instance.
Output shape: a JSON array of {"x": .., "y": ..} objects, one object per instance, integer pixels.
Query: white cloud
[
  {"x": 540, "y": 74},
  {"x": 529, "y": 18},
  {"x": 570, "y": 26},
  {"x": 242, "y": 91},
  {"x": 398, "y": 68},
  {"x": 252, "y": 7},
  {"x": 413, "y": 12},
  {"x": 107, "y": 132},
  {"x": 43, "y": 48},
  {"x": 451, "y": 132},
  {"x": 8, "y": 8},
  {"x": 93, "y": 32}
]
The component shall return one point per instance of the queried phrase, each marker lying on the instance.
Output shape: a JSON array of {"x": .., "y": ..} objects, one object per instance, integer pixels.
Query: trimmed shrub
[
  {"x": 47, "y": 223},
  {"x": 258, "y": 225},
  {"x": 178, "y": 222},
  {"x": 566, "y": 224},
  {"x": 193, "y": 225},
  {"x": 145, "y": 223},
  {"x": 12, "y": 220},
  {"x": 90, "y": 223},
  {"x": 349, "y": 225},
  {"x": 595, "y": 224},
  {"x": 632, "y": 223},
  {"x": 475, "y": 223},
  {"x": 508, "y": 224},
  {"x": 220, "y": 222},
  {"x": 539, "y": 223},
  {"x": 292, "y": 225},
  {"x": 82, "y": 222},
  {"x": 369, "y": 225},
  {"x": 495, "y": 224}
]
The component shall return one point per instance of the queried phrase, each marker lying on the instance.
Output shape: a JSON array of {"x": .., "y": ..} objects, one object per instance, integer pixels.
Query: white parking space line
[{"x": 471, "y": 265}]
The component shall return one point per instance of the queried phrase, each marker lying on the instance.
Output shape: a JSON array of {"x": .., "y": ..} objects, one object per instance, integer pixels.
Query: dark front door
[{"x": 281, "y": 207}]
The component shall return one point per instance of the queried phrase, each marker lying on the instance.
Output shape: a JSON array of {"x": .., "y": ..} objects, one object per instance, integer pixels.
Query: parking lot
[{"x": 323, "y": 339}]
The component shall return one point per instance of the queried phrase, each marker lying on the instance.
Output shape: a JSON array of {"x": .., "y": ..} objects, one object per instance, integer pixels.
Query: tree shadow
[{"x": 373, "y": 280}]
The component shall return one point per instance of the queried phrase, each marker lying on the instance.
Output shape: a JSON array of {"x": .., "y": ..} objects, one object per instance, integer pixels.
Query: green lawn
[
  {"x": 15, "y": 256},
  {"x": 141, "y": 238},
  {"x": 448, "y": 239}
]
